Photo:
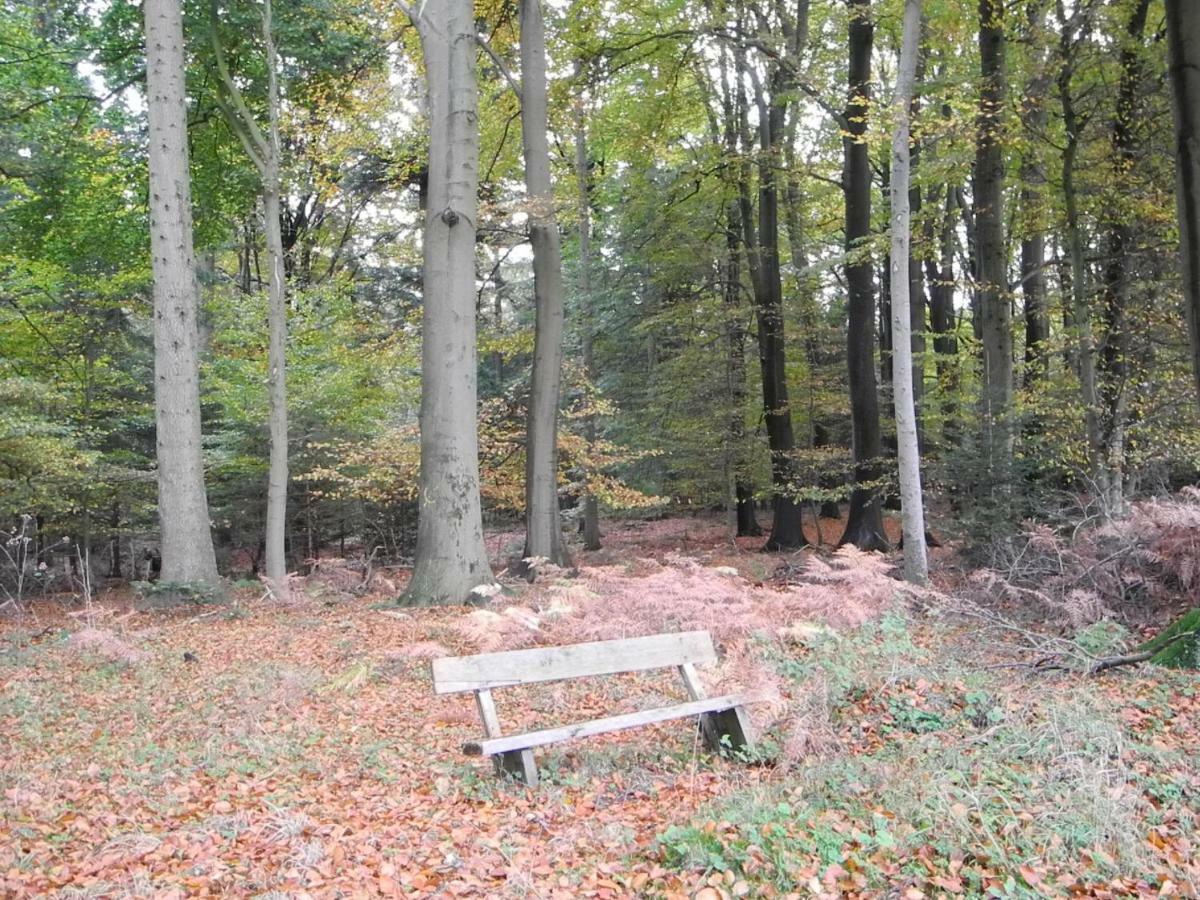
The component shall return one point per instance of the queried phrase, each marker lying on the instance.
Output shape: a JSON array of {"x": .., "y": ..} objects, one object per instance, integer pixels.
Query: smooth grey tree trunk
[
  {"x": 912, "y": 511},
  {"x": 1183, "y": 39},
  {"x": 186, "y": 536},
  {"x": 277, "y": 474},
  {"x": 591, "y": 508},
  {"x": 265, "y": 152},
  {"x": 995, "y": 305},
  {"x": 543, "y": 525},
  {"x": 451, "y": 559}
]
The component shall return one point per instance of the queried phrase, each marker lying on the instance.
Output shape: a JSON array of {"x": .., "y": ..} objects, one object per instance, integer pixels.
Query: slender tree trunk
[
  {"x": 265, "y": 152},
  {"x": 186, "y": 538},
  {"x": 1183, "y": 37},
  {"x": 543, "y": 526},
  {"x": 1118, "y": 276},
  {"x": 1034, "y": 119},
  {"x": 941, "y": 236},
  {"x": 277, "y": 475},
  {"x": 745, "y": 522},
  {"x": 864, "y": 521},
  {"x": 995, "y": 310},
  {"x": 916, "y": 566},
  {"x": 451, "y": 559},
  {"x": 809, "y": 315},
  {"x": 591, "y": 509},
  {"x": 1080, "y": 315}
]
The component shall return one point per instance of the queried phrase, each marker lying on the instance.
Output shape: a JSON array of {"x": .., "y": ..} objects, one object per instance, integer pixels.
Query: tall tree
[
  {"x": 264, "y": 151},
  {"x": 1120, "y": 241},
  {"x": 995, "y": 308},
  {"x": 1183, "y": 40},
  {"x": 451, "y": 559},
  {"x": 543, "y": 526},
  {"x": 187, "y": 548},
  {"x": 591, "y": 507},
  {"x": 1034, "y": 119},
  {"x": 864, "y": 521},
  {"x": 761, "y": 237},
  {"x": 916, "y": 566}
]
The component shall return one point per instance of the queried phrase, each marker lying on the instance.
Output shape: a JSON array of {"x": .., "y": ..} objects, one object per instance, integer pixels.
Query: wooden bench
[{"x": 722, "y": 720}]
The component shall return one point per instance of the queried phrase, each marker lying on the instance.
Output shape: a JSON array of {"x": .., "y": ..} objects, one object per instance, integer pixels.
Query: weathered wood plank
[
  {"x": 517, "y": 763},
  {"x": 695, "y": 689},
  {"x": 546, "y": 736},
  {"x": 490, "y": 670}
]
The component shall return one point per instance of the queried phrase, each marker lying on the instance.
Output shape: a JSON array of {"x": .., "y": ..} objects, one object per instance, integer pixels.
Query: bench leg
[
  {"x": 728, "y": 729},
  {"x": 519, "y": 764}
]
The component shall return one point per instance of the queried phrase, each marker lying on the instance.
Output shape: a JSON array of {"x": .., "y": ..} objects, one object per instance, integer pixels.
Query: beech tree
[
  {"x": 543, "y": 527},
  {"x": 916, "y": 567},
  {"x": 451, "y": 560},
  {"x": 264, "y": 151},
  {"x": 186, "y": 539}
]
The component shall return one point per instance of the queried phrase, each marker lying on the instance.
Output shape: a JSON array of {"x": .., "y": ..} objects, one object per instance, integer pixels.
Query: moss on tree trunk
[{"x": 1183, "y": 653}]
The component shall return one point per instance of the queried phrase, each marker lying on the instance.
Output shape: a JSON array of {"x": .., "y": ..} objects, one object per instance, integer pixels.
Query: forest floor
[{"x": 260, "y": 749}]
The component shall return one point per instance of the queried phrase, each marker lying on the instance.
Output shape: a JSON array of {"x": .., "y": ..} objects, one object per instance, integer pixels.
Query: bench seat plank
[
  {"x": 493, "y": 746},
  {"x": 484, "y": 671}
]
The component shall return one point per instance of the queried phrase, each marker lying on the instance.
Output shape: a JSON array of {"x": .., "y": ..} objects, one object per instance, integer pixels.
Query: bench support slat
[
  {"x": 518, "y": 763},
  {"x": 695, "y": 689},
  {"x": 493, "y": 746}
]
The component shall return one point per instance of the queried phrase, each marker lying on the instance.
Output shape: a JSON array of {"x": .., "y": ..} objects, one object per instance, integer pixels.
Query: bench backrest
[{"x": 491, "y": 670}]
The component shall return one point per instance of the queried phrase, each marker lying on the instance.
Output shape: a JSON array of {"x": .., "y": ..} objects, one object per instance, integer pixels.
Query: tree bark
[
  {"x": 591, "y": 509},
  {"x": 186, "y": 537},
  {"x": 942, "y": 323},
  {"x": 1183, "y": 39},
  {"x": 995, "y": 311},
  {"x": 864, "y": 521},
  {"x": 916, "y": 566},
  {"x": 762, "y": 253},
  {"x": 1078, "y": 306},
  {"x": 451, "y": 559},
  {"x": 1034, "y": 119},
  {"x": 543, "y": 526},
  {"x": 277, "y": 474},
  {"x": 1118, "y": 277},
  {"x": 265, "y": 152}
]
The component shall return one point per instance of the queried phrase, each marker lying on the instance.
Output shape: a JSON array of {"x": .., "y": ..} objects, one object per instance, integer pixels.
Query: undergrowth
[{"x": 941, "y": 778}]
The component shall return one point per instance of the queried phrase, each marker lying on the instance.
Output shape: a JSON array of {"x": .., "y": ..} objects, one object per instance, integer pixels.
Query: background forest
[{"x": 694, "y": 147}]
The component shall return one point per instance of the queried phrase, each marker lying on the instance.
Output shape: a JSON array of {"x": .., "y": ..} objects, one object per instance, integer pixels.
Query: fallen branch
[{"x": 1130, "y": 659}]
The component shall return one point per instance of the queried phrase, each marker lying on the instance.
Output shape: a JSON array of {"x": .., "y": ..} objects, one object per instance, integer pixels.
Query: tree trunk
[
  {"x": 1034, "y": 119},
  {"x": 1118, "y": 276},
  {"x": 186, "y": 537},
  {"x": 745, "y": 522},
  {"x": 995, "y": 311},
  {"x": 940, "y": 270},
  {"x": 451, "y": 559},
  {"x": 864, "y": 521},
  {"x": 762, "y": 253},
  {"x": 277, "y": 474},
  {"x": 591, "y": 509},
  {"x": 543, "y": 527},
  {"x": 1183, "y": 37},
  {"x": 916, "y": 566},
  {"x": 1080, "y": 315}
]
